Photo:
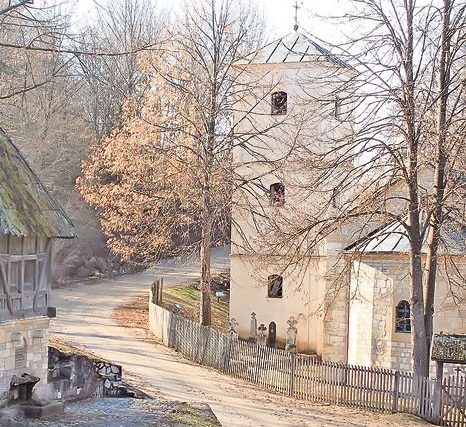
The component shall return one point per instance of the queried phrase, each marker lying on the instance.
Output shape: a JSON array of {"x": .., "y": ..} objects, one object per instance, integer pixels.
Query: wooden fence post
[
  {"x": 292, "y": 374},
  {"x": 437, "y": 398},
  {"x": 160, "y": 291},
  {"x": 227, "y": 355},
  {"x": 396, "y": 390}
]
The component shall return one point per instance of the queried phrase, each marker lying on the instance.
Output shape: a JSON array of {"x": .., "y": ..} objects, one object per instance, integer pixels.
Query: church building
[{"x": 349, "y": 296}]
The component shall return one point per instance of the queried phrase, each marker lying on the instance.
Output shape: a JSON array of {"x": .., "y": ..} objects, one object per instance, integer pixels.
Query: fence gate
[{"x": 454, "y": 400}]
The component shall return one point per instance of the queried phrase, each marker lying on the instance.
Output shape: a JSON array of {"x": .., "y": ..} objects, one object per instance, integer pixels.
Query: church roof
[
  {"x": 392, "y": 238},
  {"x": 294, "y": 47},
  {"x": 26, "y": 207}
]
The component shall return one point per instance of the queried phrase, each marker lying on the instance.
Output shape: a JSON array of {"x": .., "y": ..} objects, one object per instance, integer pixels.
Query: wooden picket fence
[
  {"x": 453, "y": 409},
  {"x": 309, "y": 378}
]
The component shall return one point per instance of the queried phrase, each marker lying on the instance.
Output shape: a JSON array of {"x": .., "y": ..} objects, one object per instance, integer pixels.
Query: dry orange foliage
[{"x": 148, "y": 177}]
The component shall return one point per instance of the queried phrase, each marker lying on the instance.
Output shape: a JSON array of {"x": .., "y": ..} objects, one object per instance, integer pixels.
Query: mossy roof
[{"x": 26, "y": 207}]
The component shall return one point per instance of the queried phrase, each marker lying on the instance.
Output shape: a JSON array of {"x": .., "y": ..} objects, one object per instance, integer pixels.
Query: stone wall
[
  {"x": 23, "y": 349},
  {"x": 378, "y": 284},
  {"x": 335, "y": 297},
  {"x": 361, "y": 315},
  {"x": 75, "y": 376}
]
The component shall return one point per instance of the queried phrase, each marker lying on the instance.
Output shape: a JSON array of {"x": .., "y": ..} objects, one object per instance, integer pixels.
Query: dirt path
[{"x": 85, "y": 319}]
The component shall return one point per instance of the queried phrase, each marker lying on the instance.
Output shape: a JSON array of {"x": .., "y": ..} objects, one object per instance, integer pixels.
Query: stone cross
[
  {"x": 261, "y": 340},
  {"x": 233, "y": 324},
  {"x": 253, "y": 328},
  {"x": 291, "y": 335}
]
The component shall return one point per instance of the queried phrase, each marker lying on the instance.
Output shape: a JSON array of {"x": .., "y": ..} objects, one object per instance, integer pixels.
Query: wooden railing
[{"x": 308, "y": 377}]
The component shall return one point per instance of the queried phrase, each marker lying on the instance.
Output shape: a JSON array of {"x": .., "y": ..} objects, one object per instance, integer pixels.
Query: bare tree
[
  {"x": 185, "y": 130},
  {"x": 23, "y": 25},
  {"x": 121, "y": 26}
]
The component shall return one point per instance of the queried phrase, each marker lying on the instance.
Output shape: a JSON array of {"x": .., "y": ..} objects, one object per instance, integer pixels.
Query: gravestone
[
  {"x": 253, "y": 328},
  {"x": 272, "y": 338},
  {"x": 261, "y": 339},
  {"x": 291, "y": 335},
  {"x": 232, "y": 325}
]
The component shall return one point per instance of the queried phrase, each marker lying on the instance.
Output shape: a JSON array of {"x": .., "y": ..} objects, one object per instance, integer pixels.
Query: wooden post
[
  {"x": 292, "y": 373},
  {"x": 437, "y": 400},
  {"x": 396, "y": 390},
  {"x": 160, "y": 291}
]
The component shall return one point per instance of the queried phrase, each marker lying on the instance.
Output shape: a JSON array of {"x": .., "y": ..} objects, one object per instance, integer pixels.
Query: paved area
[
  {"x": 84, "y": 319},
  {"x": 117, "y": 413}
]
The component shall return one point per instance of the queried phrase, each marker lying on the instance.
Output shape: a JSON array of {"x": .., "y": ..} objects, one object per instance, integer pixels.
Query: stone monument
[{"x": 291, "y": 335}]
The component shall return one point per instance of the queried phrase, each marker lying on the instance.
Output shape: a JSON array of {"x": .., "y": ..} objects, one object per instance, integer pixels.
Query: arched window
[
  {"x": 337, "y": 109},
  {"x": 275, "y": 286},
  {"x": 279, "y": 103},
  {"x": 403, "y": 317},
  {"x": 277, "y": 194}
]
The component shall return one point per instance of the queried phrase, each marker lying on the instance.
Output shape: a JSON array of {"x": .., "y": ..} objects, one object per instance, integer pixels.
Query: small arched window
[
  {"x": 277, "y": 194},
  {"x": 403, "y": 317},
  {"x": 279, "y": 103},
  {"x": 337, "y": 108},
  {"x": 275, "y": 286}
]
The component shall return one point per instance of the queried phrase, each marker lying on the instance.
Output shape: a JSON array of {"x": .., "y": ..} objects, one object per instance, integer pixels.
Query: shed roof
[
  {"x": 294, "y": 47},
  {"x": 26, "y": 207},
  {"x": 392, "y": 238}
]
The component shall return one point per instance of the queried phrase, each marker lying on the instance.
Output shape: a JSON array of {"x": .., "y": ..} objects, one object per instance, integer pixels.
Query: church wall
[
  {"x": 388, "y": 279},
  {"x": 390, "y": 282},
  {"x": 336, "y": 301},
  {"x": 301, "y": 286},
  {"x": 274, "y": 156}
]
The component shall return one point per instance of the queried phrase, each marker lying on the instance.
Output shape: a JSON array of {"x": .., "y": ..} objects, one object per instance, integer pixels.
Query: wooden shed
[{"x": 30, "y": 219}]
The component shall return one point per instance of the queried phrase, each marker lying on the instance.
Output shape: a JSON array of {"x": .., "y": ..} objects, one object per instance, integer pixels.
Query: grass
[
  {"x": 64, "y": 347},
  {"x": 188, "y": 296},
  {"x": 135, "y": 313},
  {"x": 186, "y": 414}
]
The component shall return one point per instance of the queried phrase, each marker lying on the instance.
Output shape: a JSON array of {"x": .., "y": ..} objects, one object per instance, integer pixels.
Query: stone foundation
[
  {"x": 76, "y": 376},
  {"x": 24, "y": 349}
]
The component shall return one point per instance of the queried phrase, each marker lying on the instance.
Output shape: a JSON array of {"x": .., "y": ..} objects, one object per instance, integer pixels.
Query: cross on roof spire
[{"x": 296, "y": 7}]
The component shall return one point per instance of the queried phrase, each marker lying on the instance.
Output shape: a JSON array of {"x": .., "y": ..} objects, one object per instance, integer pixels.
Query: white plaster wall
[
  {"x": 301, "y": 287},
  {"x": 283, "y": 143},
  {"x": 278, "y": 157}
]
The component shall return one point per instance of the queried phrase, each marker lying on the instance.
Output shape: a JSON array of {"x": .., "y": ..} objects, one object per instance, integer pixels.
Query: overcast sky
[{"x": 278, "y": 13}]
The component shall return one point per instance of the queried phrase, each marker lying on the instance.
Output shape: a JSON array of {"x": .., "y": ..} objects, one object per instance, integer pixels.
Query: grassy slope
[{"x": 188, "y": 296}]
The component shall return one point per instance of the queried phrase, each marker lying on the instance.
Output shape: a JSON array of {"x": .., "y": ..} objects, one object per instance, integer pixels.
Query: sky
[{"x": 279, "y": 15}]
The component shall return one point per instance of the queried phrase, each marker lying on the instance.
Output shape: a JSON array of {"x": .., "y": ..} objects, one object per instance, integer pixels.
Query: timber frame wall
[{"x": 24, "y": 276}]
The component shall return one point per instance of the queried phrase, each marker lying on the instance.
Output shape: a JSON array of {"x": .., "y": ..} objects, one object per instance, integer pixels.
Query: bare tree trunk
[
  {"x": 419, "y": 338},
  {"x": 420, "y": 356},
  {"x": 205, "y": 255},
  {"x": 419, "y": 342},
  {"x": 439, "y": 174},
  {"x": 207, "y": 220}
]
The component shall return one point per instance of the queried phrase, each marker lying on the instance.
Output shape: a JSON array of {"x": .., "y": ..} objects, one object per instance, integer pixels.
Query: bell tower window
[
  {"x": 275, "y": 286},
  {"x": 277, "y": 194},
  {"x": 279, "y": 103}
]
